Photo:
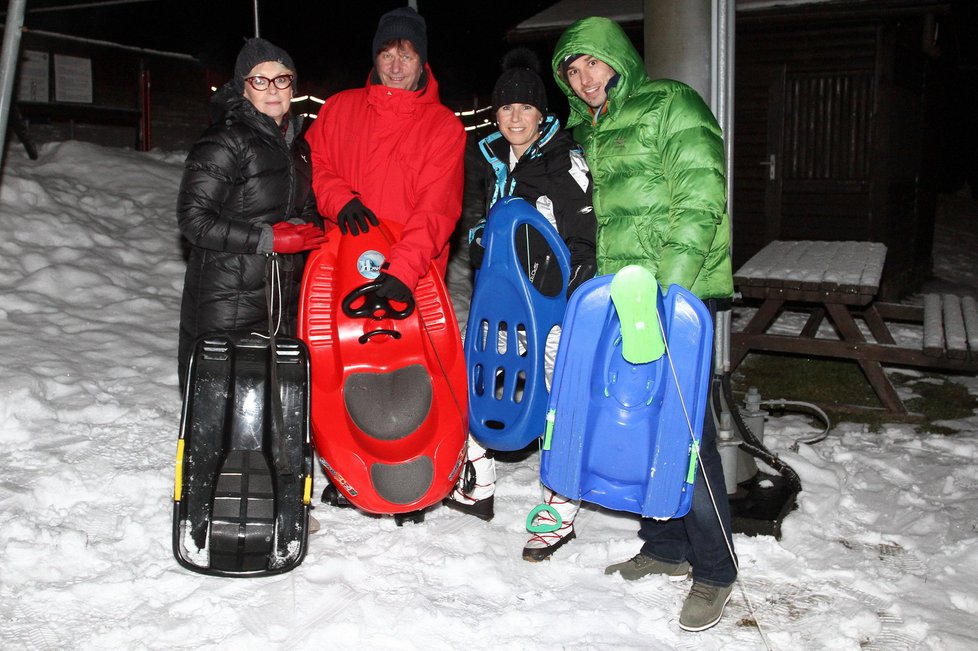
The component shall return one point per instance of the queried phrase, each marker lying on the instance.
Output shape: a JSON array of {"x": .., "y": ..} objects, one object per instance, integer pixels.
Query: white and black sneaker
[{"x": 552, "y": 526}]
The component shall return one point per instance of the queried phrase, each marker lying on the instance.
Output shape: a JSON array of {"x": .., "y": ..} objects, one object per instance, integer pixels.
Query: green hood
[{"x": 603, "y": 39}]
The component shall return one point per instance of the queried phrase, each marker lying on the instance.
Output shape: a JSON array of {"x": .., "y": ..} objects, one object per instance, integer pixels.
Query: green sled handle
[
  {"x": 635, "y": 294},
  {"x": 543, "y": 528}
]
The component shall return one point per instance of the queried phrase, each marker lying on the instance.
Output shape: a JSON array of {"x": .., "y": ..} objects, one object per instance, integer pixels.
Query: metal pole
[
  {"x": 678, "y": 42},
  {"x": 8, "y": 62},
  {"x": 257, "y": 34},
  {"x": 725, "y": 23}
]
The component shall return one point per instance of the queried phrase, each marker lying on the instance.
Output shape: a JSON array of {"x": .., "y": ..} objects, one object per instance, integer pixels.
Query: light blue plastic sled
[
  {"x": 507, "y": 388},
  {"x": 621, "y": 432}
]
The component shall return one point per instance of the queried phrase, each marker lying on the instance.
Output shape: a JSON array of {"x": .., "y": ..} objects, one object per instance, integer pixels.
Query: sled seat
[{"x": 389, "y": 406}]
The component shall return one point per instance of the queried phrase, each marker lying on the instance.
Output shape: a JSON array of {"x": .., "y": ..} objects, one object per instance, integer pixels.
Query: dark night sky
[
  {"x": 330, "y": 43},
  {"x": 328, "y": 39}
]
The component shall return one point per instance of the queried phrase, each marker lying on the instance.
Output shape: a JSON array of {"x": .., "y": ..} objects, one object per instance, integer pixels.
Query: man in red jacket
[{"x": 392, "y": 151}]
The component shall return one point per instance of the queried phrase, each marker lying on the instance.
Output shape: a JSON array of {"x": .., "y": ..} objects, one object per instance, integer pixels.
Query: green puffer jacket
[{"x": 657, "y": 160}]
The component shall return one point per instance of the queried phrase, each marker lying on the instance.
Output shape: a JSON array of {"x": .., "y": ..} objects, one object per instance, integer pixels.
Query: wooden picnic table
[{"x": 837, "y": 282}]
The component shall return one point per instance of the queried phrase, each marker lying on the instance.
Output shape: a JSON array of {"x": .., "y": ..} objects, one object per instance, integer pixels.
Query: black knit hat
[
  {"x": 402, "y": 23},
  {"x": 520, "y": 82},
  {"x": 568, "y": 60},
  {"x": 255, "y": 51}
]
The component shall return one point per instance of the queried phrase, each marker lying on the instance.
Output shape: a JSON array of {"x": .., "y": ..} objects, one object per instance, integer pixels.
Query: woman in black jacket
[
  {"x": 531, "y": 157},
  {"x": 246, "y": 193}
]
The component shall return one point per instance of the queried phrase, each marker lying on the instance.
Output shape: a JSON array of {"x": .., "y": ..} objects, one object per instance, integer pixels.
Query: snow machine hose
[{"x": 750, "y": 444}]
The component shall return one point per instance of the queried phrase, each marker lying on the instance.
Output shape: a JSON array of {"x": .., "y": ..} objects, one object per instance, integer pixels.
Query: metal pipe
[
  {"x": 85, "y": 5},
  {"x": 724, "y": 105},
  {"x": 118, "y": 46},
  {"x": 8, "y": 62}
]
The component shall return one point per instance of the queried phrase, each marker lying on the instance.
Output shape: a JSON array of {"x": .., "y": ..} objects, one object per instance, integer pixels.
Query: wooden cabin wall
[
  {"x": 827, "y": 131},
  {"x": 179, "y": 95}
]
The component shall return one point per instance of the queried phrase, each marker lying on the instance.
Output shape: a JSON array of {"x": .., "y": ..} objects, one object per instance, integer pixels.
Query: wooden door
[
  {"x": 820, "y": 185},
  {"x": 803, "y": 156}
]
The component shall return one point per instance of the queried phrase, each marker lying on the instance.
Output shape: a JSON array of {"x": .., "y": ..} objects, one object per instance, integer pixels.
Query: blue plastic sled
[
  {"x": 507, "y": 389},
  {"x": 620, "y": 432}
]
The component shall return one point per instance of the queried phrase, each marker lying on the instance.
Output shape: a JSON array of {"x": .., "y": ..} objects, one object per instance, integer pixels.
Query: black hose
[{"x": 750, "y": 443}]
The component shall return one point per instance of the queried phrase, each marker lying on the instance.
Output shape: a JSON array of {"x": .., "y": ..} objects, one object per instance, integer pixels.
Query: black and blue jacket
[{"x": 552, "y": 176}]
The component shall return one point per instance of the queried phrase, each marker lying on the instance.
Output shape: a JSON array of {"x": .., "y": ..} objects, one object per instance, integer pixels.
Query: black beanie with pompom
[{"x": 520, "y": 82}]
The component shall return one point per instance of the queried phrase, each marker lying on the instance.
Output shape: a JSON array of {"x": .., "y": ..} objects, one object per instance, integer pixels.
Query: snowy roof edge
[{"x": 564, "y": 12}]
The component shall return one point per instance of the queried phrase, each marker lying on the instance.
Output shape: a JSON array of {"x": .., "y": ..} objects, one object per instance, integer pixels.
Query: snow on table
[{"x": 848, "y": 267}]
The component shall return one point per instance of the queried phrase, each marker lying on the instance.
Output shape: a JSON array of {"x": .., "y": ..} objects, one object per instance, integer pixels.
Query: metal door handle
[{"x": 772, "y": 166}]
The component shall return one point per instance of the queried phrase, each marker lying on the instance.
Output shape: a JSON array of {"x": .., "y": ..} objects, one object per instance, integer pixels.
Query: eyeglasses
[{"x": 261, "y": 83}]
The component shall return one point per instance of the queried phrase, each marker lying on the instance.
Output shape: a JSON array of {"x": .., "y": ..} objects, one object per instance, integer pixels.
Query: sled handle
[
  {"x": 635, "y": 293},
  {"x": 374, "y": 307},
  {"x": 543, "y": 528},
  {"x": 548, "y": 433},
  {"x": 381, "y": 331}
]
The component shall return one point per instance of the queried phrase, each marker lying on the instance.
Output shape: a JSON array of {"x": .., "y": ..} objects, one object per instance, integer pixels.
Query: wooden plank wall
[{"x": 838, "y": 98}]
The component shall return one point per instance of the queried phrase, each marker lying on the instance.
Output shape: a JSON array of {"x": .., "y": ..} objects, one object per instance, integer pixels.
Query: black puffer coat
[{"x": 241, "y": 176}]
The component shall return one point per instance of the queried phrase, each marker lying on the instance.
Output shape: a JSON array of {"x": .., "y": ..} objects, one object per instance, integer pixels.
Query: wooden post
[{"x": 145, "y": 110}]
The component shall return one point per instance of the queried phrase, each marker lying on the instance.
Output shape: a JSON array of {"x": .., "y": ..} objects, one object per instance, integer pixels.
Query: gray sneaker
[
  {"x": 703, "y": 607},
  {"x": 641, "y": 565}
]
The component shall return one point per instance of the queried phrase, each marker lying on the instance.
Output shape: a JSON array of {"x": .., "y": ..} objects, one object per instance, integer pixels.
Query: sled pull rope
[
  {"x": 273, "y": 291},
  {"x": 697, "y": 460}
]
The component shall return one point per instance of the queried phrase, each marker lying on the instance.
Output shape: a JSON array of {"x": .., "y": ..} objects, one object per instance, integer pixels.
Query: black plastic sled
[{"x": 244, "y": 460}]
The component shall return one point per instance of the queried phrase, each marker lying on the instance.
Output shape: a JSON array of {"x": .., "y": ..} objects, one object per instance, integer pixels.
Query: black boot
[
  {"x": 333, "y": 497},
  {"x": 482, "y": 509},
  {"x": 459, "y": 499},
  {"x": 416, "y": 517}
]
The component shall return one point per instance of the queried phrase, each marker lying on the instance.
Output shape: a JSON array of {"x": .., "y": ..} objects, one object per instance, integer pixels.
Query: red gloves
[{"x": 295, "y": 238}]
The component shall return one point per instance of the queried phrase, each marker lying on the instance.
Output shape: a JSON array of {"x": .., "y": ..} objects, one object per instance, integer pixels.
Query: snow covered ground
[{"x": 882, "y": 552}]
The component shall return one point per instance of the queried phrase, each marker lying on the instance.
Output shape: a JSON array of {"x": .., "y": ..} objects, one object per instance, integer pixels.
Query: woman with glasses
[{"x": 246, "y": 193}]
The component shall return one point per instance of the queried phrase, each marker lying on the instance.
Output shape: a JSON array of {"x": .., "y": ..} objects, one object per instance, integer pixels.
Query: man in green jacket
[{"x": 656, "y": 156}]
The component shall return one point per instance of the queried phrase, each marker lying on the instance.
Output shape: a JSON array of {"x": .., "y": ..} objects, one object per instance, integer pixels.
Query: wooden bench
[
  {"x": 950, "y": 331},
  {"x": 836, "y": 282}
]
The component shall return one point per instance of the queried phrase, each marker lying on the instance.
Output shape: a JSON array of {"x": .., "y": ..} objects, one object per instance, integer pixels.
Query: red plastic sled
[{"x": 388, "y": 394}]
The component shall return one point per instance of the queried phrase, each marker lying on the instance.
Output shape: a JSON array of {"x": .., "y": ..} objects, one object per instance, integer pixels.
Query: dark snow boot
[
  {"x": 417, "y": 517},
  {"x": 474, "y": 492},
  {"x": 482, "y": 509},
  {"x": 333, "y": 497}
]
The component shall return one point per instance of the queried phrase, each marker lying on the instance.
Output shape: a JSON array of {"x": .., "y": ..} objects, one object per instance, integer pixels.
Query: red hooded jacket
[{"x": 401, "y": 152}]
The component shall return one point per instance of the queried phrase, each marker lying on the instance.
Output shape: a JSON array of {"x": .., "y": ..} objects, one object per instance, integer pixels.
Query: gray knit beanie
[
  {"x": 402, "y": 23},
  {"x": 255, "y": 51}
]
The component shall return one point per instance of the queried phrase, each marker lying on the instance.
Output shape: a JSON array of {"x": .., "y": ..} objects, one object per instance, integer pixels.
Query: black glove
[
  {"x": 578, "y": 275},
  {"x": 354, "y": 216},
  {"x": 392, "y": 288}
]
